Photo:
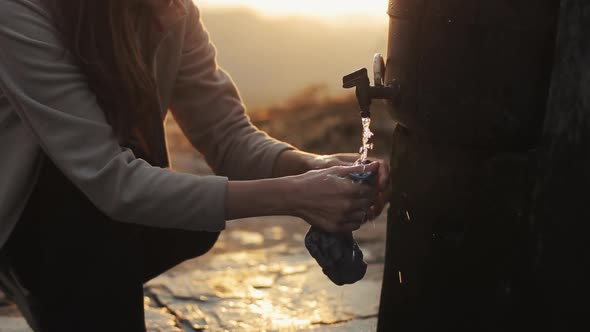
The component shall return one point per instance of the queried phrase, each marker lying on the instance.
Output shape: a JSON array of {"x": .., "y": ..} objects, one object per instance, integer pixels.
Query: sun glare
[{"x": 310, "y": 8}]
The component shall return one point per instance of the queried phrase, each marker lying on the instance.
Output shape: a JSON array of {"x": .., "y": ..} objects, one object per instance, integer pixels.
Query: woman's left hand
[
  {"x": 347, "y": 159},
  {"x": 292, "y": 162}
]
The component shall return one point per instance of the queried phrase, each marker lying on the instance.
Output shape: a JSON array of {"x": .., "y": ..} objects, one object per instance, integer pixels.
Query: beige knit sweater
[{"x": 46, "y": 108}]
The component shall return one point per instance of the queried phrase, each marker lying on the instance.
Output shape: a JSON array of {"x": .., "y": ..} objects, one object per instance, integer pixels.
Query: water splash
[{"x": 366, "y": 146}]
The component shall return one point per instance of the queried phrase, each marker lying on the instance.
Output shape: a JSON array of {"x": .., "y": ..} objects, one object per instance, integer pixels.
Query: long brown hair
[{"x": 109, "y": 40}]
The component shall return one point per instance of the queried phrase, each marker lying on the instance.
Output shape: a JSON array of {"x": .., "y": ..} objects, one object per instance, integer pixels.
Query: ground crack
[
  {"x": 181, "y": 322},
  {"x": 341, "y": 321}
]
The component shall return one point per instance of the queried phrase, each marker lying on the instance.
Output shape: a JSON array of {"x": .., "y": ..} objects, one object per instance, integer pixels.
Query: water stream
[{"x": 366, "y": 146}]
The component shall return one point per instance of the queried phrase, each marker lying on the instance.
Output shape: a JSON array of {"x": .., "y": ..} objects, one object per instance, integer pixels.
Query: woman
[{"x": 89, "y": 210}]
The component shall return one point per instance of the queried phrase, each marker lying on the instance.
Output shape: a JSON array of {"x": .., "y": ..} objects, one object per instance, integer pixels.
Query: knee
[{"x": 204, "y": 242}]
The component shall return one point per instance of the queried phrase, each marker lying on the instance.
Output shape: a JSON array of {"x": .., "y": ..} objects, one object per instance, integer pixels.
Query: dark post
[
  {"x": 474, "y": 79},
  {"x": 562, "y": 211}
]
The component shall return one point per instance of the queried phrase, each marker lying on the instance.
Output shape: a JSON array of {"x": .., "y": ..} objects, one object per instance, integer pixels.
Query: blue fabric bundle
[{"x": 338, "y": 254}]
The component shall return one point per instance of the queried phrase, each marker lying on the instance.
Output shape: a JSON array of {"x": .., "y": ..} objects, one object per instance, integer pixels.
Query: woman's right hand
[{"x": 326, "y": 199}]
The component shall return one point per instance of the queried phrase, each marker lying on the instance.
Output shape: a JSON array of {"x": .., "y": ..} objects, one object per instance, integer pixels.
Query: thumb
[
  {"x": 344, "y": 170},
  {"x": 372, "y": 167}
]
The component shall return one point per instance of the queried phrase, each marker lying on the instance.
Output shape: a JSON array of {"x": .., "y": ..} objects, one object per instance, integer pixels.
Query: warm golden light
[{"x": 313, "y": 8}]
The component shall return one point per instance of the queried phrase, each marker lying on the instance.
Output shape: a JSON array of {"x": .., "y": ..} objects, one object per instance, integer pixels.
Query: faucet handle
[
  {"x": 365, "y": 92},
  {"x": 378, "y": 69},
  {"x": 357, "y": 78},
  {"x": 360, "y": 80}
]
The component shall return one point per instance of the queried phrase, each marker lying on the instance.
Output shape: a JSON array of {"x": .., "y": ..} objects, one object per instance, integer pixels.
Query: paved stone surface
[{"x": 260, "y": 277}]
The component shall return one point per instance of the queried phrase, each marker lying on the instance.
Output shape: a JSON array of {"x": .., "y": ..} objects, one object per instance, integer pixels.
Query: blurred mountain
[{"x": 271, "y": 59}]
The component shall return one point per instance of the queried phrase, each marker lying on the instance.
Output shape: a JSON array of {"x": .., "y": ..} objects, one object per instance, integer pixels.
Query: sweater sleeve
[
  {"x": 52, "y": 99},
  {"x": 209, "y": 110}
]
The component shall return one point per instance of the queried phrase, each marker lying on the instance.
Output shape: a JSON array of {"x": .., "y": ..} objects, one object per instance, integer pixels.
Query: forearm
[{"x": 259, "y": 198}]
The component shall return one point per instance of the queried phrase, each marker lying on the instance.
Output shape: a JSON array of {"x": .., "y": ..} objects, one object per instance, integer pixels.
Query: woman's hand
[
  {"x": 331, "y": 160},
  {"x": 346, "y": 159},
  {"x": 294, "y": 162},
  {"x": 326, "y": 199}
]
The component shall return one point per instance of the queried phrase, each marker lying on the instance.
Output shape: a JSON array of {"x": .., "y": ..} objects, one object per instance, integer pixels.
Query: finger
[
  {"x": 333, "y": 160},
  {"x": 371, "y": 213},
  {"x": 348, "y": 158},
  {"x": 345, "y": 225},
  {"x": 387, "y": 193},
  {"x": 338, "y": 162},
  {"x": 353, "y": 190},
  {"x": 383, "y": 179},
  {"x": 342, "y": 159},
  {"x": 381, "y": 199},
  {"x": 377, "y": 209},
  {"x": 328, "y": 227},
  {"x": 363, "y": 191},
  {"x": 345, "y": 170},
  {"x": 358, "y": 216},
  {"x": 352, "y": 226},
  {"x": 358, "y": 205},
  {"x": 384, "y": 198},
  {"x": 346, "y": 188},
  {"x": 355, "y": 224},
  {"x": 372, "y": 167}
]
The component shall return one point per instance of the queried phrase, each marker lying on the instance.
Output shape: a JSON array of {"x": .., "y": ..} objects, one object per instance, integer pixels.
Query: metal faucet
[{"x": 365, "y": 93}]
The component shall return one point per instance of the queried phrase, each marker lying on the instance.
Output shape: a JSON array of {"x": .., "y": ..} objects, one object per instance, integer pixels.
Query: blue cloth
[{"x": 338, "y": 254}]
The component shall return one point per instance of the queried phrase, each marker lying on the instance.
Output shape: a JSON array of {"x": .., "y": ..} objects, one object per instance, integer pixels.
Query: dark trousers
[{"x": 86, "y": 270}]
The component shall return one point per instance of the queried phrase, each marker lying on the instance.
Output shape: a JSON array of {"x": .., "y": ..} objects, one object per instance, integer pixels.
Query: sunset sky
[
  {"x": 274, "y": 49},
  {"x": 325, "y": 9}
]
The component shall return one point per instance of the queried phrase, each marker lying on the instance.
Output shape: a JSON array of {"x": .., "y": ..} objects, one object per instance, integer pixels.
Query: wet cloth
[{"x": 338, "y": 254}]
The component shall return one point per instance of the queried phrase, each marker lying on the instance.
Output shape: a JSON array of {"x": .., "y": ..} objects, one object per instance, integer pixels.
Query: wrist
[
  {"x": 294, "y": 162},
  {"x": 288, "y": 194},
  {"x": 258, "y": 198}
]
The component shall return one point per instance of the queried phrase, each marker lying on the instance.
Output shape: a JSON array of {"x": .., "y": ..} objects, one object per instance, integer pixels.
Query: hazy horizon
[
  {"x": 273, "y": 58},
  {"x": 323, "y": 10}
]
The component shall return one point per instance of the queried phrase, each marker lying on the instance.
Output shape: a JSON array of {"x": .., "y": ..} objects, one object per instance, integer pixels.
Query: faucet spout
[{"x": 365, "y": 93}]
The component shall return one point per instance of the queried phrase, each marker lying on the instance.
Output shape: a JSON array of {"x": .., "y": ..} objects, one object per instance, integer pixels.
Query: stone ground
[{"x": 258, "y": 277}]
